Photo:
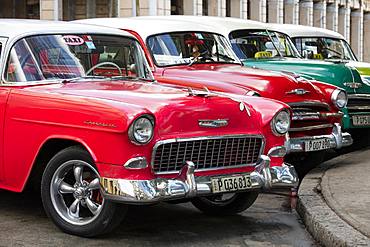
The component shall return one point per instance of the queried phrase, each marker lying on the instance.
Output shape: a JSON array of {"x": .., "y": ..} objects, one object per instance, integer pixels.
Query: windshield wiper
[
  {"x": 81, "y": 78},
  {"x": 131, "y": 78},
  {"x": 224, "y": 56},
  {"x": 336, "y": 52}
]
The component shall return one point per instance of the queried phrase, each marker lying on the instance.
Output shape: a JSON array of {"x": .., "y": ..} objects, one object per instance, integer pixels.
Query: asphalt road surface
[{"x": 270, "y": 222}]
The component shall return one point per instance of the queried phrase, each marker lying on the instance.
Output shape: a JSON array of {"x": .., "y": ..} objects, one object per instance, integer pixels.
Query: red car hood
[
  {"x": 267, "y": 84},
  {"x": 175, "y": 111}
]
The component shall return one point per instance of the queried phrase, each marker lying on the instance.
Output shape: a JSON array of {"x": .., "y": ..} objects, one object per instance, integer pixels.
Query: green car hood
[{"x": 335, "y": 73}]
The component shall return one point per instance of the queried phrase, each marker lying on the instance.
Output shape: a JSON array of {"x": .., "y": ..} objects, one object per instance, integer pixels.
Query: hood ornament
[
  {"x": 210, "y": 123},
  {"x": 243, "y": 106},
  {"x": 298, "y": 91},
  {"x": 207, "y": 93},
  {"x": 354, "y": 85}
]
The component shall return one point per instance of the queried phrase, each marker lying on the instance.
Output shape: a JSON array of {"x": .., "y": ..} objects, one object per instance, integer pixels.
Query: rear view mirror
[{"x": 308, "y": 54}]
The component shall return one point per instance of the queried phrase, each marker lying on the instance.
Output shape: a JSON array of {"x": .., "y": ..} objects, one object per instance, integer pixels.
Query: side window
[{"x": 21, "y": 66}]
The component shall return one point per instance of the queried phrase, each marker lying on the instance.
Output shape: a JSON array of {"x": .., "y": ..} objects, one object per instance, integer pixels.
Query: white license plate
[
  {"x": 316, "y": 145},
  {"x": 233, "y": 183},
  {"x": 361, "y": 120}
]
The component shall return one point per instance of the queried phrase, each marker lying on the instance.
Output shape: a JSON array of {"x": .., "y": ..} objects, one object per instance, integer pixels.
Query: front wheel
[
  {"x": 70, "y": 191},
  {"x": 225, "y": 204}
]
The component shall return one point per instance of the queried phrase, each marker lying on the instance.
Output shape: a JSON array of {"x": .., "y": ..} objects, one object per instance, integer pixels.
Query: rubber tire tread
[{"x": 240, "y": 203}]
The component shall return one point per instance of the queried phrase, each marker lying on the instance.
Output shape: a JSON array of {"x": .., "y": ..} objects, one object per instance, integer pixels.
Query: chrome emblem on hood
[
  {"x": 298, "y": 91},
  {"x": 209, "y": 123},
  {"x": 353, "y": 84}
]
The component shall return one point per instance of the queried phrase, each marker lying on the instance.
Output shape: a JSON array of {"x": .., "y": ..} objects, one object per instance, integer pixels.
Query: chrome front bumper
[
  {"x": 337, "y": 140},
  {"x": 186, "y": 185}
]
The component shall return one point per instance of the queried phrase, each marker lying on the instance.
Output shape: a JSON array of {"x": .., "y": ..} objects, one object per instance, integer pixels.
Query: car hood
[
  {"x": 363, "y": 68},
  {"x": 175, "y": 111},
  {"x": 337, "y": 73},
  {"x": 268, "y": 84}
]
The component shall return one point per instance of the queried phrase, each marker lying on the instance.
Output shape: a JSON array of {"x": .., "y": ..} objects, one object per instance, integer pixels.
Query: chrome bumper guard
[
  {"x": 337, "y": 140},
  {"x": 186, "y": 185}
]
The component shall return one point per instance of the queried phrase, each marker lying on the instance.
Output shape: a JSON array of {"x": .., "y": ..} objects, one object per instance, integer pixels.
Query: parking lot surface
[{"x": 270, "y": 222}]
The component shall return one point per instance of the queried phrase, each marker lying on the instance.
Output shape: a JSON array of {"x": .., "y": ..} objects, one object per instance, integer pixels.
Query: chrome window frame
[
  {"x": 3, "y": 41},
  {"x": 175, "y": 140}
]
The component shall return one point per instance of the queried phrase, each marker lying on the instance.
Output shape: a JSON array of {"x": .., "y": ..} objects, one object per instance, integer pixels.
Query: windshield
[
  {"x": 324, "y": 48},
  {"x": 257, "y": 44},
  {"x": 190, "y": 47},
  {"x": 48, "y": 57}
]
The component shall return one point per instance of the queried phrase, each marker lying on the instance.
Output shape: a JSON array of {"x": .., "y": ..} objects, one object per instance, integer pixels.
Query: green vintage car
[
  {"x": 266, "y": 46},
  {"x": 323, "y": 44}
]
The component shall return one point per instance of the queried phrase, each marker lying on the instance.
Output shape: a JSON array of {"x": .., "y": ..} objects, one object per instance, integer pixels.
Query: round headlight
[
  {"x": 281, "y": 123},
  {"x": 141, "y": 130},
  {"x": 339, "y": 98}
]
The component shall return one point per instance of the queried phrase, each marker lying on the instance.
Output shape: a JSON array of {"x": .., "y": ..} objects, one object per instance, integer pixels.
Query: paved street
[{"x": 270, "y": 222}]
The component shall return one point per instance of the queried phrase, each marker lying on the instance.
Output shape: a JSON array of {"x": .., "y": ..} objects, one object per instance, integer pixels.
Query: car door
[{"x": 4, "y": 93}]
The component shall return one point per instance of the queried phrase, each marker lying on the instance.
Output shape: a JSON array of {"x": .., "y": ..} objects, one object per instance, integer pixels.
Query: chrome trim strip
[
  {"x": 205, "y": 138},
  {"x": 332, "y": 114},
  {"x": 358, "y": 107},
  {"x": 297, "y": 116},
  {"x": 309, "y": 103},
  {"x": 213, "y": 123},
  {"x": 358, "y": 96},
  {"x": 314, "y": 127}
]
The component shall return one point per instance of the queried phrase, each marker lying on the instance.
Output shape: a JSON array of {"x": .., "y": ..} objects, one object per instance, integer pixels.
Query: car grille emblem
[
  {"x": 213, "y": 123},
  {"x": 353, "y": 84},
  {"x": 298, "y": 91}
]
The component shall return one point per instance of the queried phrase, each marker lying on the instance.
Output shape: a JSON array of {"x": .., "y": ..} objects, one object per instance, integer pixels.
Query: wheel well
[{"x": 48, "y": 150}]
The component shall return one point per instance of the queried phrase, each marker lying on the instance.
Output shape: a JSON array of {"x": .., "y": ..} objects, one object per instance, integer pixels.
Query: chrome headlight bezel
[
  {"x": 281, "y": 116},
  {"x": 144, "y": 121},
  {"x": 339, "y": 98}
]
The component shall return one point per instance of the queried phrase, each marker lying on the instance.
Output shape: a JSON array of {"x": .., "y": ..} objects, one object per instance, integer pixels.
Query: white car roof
[
  {"x": 150, "y": 25},
  {"x": 13, "y": 28},
  {"x": 306, "y": 31}
]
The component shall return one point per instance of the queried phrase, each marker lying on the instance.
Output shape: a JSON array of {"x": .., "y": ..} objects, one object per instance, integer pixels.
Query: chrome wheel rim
[{"x": 75, "y": 192}]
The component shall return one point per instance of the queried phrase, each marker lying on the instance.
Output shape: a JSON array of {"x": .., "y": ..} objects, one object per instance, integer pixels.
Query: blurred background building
[{"x": 349, "y": 17}]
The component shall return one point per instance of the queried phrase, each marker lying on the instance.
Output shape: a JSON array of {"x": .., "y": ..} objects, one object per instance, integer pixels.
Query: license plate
[
  {"x": 361, "y": 120},
  {"x": 234, "y": 183},
  {"x": 316, "y": 145}
]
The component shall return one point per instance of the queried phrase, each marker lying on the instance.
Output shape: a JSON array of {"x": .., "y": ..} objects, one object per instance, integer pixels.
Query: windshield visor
[
  {"x": 324, "y": 48},
  {"x": 50, "y": 57},
  {"x": 257, "y": 44},
  {"x": 190, "y": 47}
]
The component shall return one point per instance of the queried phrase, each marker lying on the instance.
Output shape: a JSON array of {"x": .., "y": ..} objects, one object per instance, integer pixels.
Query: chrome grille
[
  {"x": 206, "y": 153},
  {"x": 358, "y": 103},
  {"x": 309, "y": 116}
]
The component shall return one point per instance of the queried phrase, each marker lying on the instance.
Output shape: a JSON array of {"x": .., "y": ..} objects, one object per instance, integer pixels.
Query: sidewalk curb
[{"x": 322, "y": 222}]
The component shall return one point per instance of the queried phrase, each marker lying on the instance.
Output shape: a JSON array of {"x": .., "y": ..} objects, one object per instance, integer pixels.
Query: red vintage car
[
  {"x": 195, "y": 55},
  {"x": 84, "y": 121}
]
